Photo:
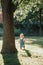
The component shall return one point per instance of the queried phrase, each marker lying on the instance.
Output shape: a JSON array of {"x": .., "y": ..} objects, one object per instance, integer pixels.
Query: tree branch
[
  {"x": 14, "y": 7},
  {"x": 20, "y": 1}
]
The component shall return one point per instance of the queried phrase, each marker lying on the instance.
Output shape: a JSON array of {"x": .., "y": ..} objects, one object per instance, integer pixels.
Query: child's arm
[{"x": 25, "y": 41}]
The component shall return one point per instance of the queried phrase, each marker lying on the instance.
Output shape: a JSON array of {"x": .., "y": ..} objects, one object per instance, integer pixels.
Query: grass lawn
[{"x": 32, "y": 55}]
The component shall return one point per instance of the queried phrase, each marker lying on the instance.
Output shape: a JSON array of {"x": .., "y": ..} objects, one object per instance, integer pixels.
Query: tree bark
[
  {"x": 40, "y": 23},
  {"x": 8, "y": 36}
]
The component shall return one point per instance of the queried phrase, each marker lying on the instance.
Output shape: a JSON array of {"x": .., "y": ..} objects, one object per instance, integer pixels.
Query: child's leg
[
  {"x": 20, "y": 46},
  {"x": 23, "y": 47}
]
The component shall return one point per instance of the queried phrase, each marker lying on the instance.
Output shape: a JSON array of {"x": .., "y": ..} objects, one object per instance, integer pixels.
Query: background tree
[{"x": 28, "y": 12}]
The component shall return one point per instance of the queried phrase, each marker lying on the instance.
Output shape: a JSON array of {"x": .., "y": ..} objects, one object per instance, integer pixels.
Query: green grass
[
  {"x": 36, "y": 41},
  {"x": 14, "y": 59},
  {"x": 10, "y": 59}
]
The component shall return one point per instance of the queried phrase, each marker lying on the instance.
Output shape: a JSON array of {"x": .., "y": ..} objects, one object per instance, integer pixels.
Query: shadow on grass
[
  {"x": 28, "y": 53},
  {"x": 10, "y": 59},
  {"x": 38, "y": 43}
]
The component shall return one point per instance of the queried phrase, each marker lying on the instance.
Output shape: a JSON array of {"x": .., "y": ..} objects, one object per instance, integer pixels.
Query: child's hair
[{"x": 21, "y": 35}]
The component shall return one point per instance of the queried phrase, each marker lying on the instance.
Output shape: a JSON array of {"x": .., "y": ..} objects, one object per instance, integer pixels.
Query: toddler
[{"x": 22, "y": 46}]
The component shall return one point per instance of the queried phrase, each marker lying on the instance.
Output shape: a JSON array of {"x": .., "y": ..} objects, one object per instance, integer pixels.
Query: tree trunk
[
  {"x": 40, "y": 23},
  {"x": 8, "y": 36}
]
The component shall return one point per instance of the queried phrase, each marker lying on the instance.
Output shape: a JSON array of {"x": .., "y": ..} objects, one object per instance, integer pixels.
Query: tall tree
[
  {"x": 41, "y": 8},
  {"x": 8, "y": 36}
]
